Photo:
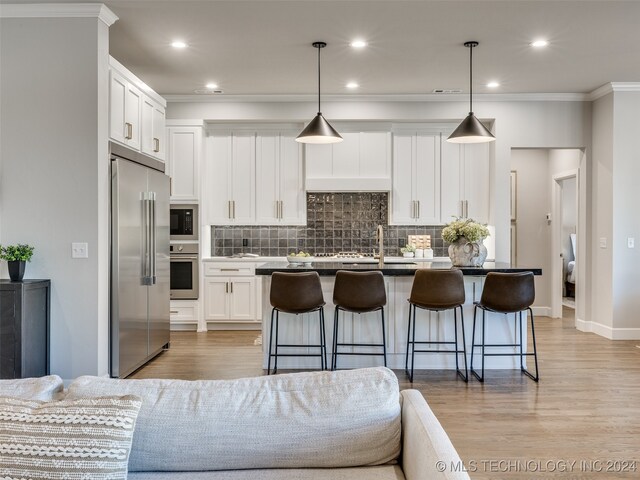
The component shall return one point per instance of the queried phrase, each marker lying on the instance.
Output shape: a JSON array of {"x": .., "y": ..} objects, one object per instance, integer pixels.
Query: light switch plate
[
  {"x": 79, "y": 250},
  {"x": 603, "y": 242},
  {"x": 631, "y": 242}
]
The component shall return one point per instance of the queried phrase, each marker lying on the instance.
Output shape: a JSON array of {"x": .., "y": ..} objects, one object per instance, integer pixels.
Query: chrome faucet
[{"x": 379, "y": 238}]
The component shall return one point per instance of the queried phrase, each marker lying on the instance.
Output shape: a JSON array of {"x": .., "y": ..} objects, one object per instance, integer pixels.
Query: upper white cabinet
[
  {"x": 136, "y": 113},
  {"x": 362, "y": 162},
  {"x": 280, "y": 194},
  {"x": 229, "y": 187},
  {"x": 183, "y": 160},
  {"x": 415, "y": 196},
  {"x": 465, "y": 181}
]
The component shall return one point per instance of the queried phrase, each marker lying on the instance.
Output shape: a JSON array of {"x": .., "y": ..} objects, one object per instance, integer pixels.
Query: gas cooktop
[{"x": 345, "y": 255}]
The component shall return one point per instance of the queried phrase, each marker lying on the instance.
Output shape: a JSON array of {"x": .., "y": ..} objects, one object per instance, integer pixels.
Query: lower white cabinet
[
  {"x": 184, "y": 312},
  {"x": 230, "y": 293}
]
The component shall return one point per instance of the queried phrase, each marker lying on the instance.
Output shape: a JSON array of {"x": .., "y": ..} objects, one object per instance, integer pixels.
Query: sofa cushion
[
  {"x": 69, "y": 439},
  {"x": 386, "y": 472},
  {"x": 300, "y": 420},
  {"x": 43, "y": 388}
]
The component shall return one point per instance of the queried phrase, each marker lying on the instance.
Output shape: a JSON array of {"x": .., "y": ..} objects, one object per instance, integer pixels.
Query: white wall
[
  {"x": 55, "y": 174},
  {"x": 533, "y": 230}
]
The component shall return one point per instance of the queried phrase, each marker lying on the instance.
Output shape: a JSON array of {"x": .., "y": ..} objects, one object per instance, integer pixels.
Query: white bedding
[{"x": 571, "y": 272}]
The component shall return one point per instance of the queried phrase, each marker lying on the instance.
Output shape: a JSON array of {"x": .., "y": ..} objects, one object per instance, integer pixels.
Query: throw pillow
[
  {"x": 69, "y": 439},
  {"x": 40, "y": 388}
]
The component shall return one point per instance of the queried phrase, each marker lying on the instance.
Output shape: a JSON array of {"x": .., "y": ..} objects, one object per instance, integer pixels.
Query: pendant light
[
  {"x": 319, "y": 130},
  {"x": 471, "y": 130}
]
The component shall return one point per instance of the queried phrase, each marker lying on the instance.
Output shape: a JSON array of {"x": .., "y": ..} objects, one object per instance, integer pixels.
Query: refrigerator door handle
[
  {"x": 146, "y": 254},
  {"x": 152, "y": 231}
]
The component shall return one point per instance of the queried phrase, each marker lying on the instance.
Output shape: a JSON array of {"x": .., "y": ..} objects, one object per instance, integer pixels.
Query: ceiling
[{"x": 264, "y": 47}]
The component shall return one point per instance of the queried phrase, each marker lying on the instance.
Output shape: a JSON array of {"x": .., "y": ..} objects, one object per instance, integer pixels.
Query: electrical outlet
[
  {"x": 245, "y": 242},
  {"x": 603, "y": 242},
  {"x": 79, "y": 250},
  {"x": 631, "y": 242}
]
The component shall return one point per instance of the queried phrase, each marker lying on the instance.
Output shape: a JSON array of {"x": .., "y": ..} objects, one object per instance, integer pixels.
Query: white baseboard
[
  {"x": 234, "y": 325},
  {"x": 184, "y": 327},
  {"x": 541, "y": 311},
  {"x": 607, "y": 331}
]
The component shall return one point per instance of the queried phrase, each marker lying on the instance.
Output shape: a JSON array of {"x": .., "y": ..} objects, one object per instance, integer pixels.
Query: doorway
[{"x": 565, "y": 234}]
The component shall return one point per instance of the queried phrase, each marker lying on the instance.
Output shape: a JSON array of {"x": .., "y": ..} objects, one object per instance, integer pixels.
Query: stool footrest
[
  {"x": 359, "y": 353},
  {"x": 440, "y": 351},
  {"x": 359, "y": 345},
  {"x": 300, "y": 346},
  {"x": 431, "y": 343},
  {"x": 297, "y": 355}
]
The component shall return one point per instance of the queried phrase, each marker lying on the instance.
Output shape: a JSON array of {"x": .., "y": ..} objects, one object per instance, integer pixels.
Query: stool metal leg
[
  {"x": 270, "y": 342},
  {"x": 334, "y": 353},
  {"x": 521, "y": 347},
  {"x": 384, "y": 336},
  {"x": 406, "y": 358},
  {"x": 484, "y": 314},
  {"x": 473, "y": 343},
  {"x": 464, "y": 377},
  {"x": 275, "y": 363},
  {"x": 413, "y": 342},
  {"x": 323, "y": 340},
  {"x": 535, "y": 352}
]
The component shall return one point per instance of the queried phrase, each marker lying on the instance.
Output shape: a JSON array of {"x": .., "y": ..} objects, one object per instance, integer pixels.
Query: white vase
[
  {"x": 408, "y": 254},
  {"x": 464, "y": 253}
]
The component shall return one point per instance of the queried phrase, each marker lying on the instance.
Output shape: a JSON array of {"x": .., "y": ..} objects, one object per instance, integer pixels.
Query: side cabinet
[
  {"x": 24, "y": 328},
  {"x": 231, "y": 293},
  {"x": 183, "y": 161}
]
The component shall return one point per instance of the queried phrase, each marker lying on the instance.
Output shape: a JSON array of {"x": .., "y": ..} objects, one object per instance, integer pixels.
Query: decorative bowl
[{"x": 296, "y": 259}]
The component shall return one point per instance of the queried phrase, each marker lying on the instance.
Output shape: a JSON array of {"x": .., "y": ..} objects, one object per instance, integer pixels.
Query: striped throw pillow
[{"x": 70, "y": 439}]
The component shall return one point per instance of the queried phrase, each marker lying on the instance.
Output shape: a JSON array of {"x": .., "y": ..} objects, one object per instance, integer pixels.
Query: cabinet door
[
  {"x": 146, "y": 127},
  {"x": 117, "y": 96},
  {"x": 184, "y": 157},
  {"x": 451, "y": 186},
  {"x": 427, "y": 179},
  {"x": 375, "y": 154},
  {"x": 159, "y": 131},
  {"x": 267, "y": 179},
  {"x": 476, "y": 181},
  {"x": 293, "y": 198},
  {"x": 403, "y": 208},
  {"x": 132, "y": 114},
  {"x": 216, "y": 193},
  {"x": 242, "y": 298},
  {"x": 243, "y": 179},
  {"x": 216, "y": 298}
]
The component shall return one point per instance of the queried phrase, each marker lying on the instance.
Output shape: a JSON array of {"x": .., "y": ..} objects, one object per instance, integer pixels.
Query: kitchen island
[{"x": 365, "y": 328}]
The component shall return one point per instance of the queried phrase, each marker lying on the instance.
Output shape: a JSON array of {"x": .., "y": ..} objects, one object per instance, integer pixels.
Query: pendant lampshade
[
  {"x": 471, "y": 130},
  {"x": 319, "y": 130}
]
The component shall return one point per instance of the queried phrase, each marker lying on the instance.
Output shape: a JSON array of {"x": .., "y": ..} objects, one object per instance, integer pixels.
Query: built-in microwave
[{"x": 183, "y": 222}]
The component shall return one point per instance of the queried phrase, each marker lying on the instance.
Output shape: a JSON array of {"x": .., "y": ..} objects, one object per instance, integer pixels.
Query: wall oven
[
  {"x": 184, "y": 271},
  {"x": 184, "y": 222}
]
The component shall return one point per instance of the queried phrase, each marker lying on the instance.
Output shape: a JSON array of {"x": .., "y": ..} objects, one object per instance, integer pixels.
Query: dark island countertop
[{"x": 393, "y": 269}]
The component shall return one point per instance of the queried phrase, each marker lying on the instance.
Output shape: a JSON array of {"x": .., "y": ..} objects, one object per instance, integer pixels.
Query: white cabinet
[
  {"x": 361, "y": 162},
  {"x": 280, "y": 194},
  {"x": 152, "y": 129},
  {"x": 465, "y": 181},
  {"x": 184, "y": 313},
  {"x": 136, "y": 113},
  {"x": 230, "y": 179},
  {"x": 415, "y": 196},
  {"x": 183, "y": 161},
  {"x": 230, "y": 293}
]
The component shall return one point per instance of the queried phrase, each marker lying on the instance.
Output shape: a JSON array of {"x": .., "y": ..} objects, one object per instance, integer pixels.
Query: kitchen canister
[{"x": 419, "y": 253}]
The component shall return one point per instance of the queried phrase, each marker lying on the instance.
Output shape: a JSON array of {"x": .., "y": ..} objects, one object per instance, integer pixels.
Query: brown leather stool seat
[
  {"x": 506, "y": 293},
  {"x": 436, "y": 290},
  {"x": 358, "y": 292},
  {"x": 296, "y": 293}
]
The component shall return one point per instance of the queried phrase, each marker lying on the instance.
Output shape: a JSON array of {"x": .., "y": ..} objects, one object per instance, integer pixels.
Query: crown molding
[
  {"x": 429, "y": 97},
  {"x": 611, "y": 87},
  {"x": 59, "y": 10}
]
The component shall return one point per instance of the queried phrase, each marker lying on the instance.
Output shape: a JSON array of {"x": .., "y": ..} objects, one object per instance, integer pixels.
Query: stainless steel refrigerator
[{"x": 139, "y": 260}]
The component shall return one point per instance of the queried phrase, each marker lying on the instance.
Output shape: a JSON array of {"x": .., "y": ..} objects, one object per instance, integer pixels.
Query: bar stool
[
  {"x": 296, "y": 293},
  {"x": 436, "y": 291},
  {"x": 358, "y": 292},
  {"x": 506, "y": 293}
]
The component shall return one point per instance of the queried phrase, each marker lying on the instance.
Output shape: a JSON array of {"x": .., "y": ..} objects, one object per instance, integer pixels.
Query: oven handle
[{"x": 183, "y": 257}]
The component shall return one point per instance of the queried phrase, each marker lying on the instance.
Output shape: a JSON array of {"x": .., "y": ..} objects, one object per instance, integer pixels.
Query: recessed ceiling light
[
  {"x": 358, "y": 44},
  {"x": 178, "y": 44},
  {"x": 493, "y": 84},
  {"x": 539, "y": 43},
  {"x": 211, "y": 86},
  {"x": 352, "y": 85}
]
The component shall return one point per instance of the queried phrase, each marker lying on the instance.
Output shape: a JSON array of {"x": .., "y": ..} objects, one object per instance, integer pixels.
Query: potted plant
[
  {"x": 408, "y": 251},
  {"x": 16, "y": 257},
  {"x": 465, "y": 237}
]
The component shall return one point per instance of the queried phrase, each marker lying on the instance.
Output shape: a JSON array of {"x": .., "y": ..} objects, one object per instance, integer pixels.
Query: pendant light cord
[
  {"x": 319, "y": 113},
  {"x": 471, "y": 79}
]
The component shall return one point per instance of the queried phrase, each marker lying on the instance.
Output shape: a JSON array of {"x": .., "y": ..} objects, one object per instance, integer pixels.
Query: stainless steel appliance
[
  {"x": 184, "y": 222},
  {"x": 184, "y": 271},
  {"x": 139, "y": 260}
]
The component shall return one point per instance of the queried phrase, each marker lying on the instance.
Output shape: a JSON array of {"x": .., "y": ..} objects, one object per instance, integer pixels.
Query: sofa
[{"x": 344, "y": 425}]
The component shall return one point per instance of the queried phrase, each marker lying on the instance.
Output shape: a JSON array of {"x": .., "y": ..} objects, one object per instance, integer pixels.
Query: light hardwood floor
[{"x": 585, "y": 408}]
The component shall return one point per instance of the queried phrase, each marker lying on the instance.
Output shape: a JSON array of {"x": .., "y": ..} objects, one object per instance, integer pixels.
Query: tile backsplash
[{"x": 336, "y": 222}]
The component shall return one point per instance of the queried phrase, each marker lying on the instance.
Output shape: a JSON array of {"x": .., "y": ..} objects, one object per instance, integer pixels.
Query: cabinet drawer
[
  {"x": 229, "y": 269},
  {"x": 184, "y": 311}
]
